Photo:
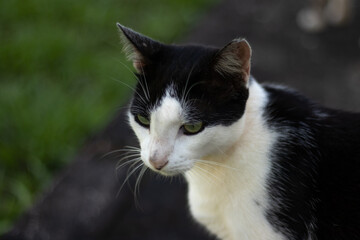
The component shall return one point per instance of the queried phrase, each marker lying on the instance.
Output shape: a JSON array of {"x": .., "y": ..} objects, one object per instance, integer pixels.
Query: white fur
[
  {"x": 227, "y": 204},
  {"x": 228, "y": 194}
]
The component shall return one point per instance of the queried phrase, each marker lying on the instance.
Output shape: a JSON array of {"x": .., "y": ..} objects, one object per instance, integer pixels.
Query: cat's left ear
[
  {"x": 139, "y": 48},
  {"x": 234, "y": 59}
]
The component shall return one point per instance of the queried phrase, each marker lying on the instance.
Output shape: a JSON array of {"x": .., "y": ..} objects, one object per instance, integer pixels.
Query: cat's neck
[
  {"x": 234, "y": 180},
  {"x": 248, "y": 155}
]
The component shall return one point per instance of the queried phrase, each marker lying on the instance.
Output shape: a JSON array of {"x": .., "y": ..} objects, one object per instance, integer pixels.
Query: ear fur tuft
[
  {"x": 234, "y": 59},
  {"x": 138, "y": 48}
]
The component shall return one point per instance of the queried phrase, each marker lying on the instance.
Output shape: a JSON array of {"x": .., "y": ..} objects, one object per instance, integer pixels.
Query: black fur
[{"x": 316, "y": 168}]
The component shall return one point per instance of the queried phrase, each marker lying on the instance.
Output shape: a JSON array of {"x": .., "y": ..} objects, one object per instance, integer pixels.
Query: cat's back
[{"x": 317, "y": 162}]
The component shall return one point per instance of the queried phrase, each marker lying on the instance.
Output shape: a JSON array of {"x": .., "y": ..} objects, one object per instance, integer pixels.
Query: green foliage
[{"x": 60, "y": 74}]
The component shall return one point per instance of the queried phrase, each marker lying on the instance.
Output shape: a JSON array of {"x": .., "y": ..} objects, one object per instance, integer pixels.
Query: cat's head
[{"x": 189, "y": 101}]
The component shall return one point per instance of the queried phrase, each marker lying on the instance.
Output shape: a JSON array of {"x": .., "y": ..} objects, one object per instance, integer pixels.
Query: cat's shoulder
[{"x": 288, "y": 103}]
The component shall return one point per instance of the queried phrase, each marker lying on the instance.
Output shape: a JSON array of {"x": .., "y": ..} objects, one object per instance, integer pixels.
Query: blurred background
[
  {"x": 60, "y": 70},
  {"x": 63, "y": 86}
]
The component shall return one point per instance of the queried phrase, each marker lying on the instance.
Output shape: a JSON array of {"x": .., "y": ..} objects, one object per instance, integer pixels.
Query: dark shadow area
[{"x": 84, "y": 203}]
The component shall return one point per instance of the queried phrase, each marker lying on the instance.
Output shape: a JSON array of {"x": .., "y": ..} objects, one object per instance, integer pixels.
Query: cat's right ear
[{"x": 138, "y": 48}]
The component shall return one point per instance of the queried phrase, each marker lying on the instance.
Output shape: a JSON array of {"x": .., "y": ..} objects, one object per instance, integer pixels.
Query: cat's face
[{"x": 189, "y": 101}]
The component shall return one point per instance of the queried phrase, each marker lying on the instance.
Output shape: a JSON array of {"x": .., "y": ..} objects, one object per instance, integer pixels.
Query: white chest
[
  {"x": 230, "y": 214},
  {"x": 230, "y": 197},
  {"x": 230, "y": 207}
]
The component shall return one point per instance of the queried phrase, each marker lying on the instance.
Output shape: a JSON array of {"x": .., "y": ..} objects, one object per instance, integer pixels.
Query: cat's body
[
  {"x": 316, "y": 167},
  {"x": 262, "y": 162}
]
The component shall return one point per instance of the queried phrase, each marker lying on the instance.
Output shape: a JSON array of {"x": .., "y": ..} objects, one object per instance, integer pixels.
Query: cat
[{"x": 261, "y": 161}]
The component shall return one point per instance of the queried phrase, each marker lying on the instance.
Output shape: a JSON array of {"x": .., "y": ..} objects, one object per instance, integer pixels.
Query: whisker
[
  {"x": 129, "y": 155},
  {"x": 127, "y": 85},
  {"x": 208, "y": 165},
  {"x": 146, "y": 85},
  {"x": 128, "y": 175},
  {"x": 222, "y": 152},
  {"x": 206, "y": 172},
  {"x": 124, "y": 151},
  {"x": 143, "y": 88},
  {"x": 190, "y": 89},
  {"x": 201, "y": 173},
  {"x": 138, "y": 180},
  {"x": 139, "y": 80},
  {"x": 132, "y": 147},
  {"x": 215, "y": 164},
  {"x": 205, "y": 175},
  {"x": 120, "y": 151},
  {"x": 186, "y": 84},
  {"x": 137, "y": 184},
  {"x": 127, "y": 163}
]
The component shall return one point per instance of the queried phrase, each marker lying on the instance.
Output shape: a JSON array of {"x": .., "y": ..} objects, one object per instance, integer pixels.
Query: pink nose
[{"x": 158, "y": 163}]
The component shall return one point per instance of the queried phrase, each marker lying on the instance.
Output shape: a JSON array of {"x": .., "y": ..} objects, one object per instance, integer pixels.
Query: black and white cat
[{"x": 261, "y": 161}]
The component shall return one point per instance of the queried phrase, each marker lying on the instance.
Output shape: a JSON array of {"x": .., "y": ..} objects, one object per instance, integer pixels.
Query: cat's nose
[{"x": 158, "y": 163}]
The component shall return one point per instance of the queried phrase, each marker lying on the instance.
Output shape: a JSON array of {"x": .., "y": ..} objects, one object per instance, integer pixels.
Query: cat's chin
[{"x": 171, "y": 173}]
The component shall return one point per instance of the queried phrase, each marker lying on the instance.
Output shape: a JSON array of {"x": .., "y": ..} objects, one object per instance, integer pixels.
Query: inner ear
[
  {"x": 138, "y": 48},
  {"x": 234, "y": 60}
]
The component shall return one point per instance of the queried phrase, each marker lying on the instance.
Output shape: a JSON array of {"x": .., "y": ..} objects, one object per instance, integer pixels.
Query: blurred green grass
[{"x": 59, "y": 61}]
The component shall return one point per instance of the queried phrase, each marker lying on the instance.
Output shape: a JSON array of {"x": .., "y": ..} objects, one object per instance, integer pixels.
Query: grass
[{"x": 59, "y": 63}]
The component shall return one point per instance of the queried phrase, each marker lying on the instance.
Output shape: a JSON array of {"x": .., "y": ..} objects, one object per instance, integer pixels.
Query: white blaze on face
[
  {"x": 165, "y": 139},
  {"x": 159, "y": 141},
  {"x": 164, "y": 129},
  {"x": 166, "y": 120}
]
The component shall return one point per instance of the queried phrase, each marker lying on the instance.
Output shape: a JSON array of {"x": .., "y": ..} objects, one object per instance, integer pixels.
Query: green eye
[
  {"x": 143, "y": 120},
  {"x": 193, "y": 128}
]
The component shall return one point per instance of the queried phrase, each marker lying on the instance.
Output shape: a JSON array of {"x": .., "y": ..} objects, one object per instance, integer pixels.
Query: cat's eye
[
  {"x": 193, "y": 128},
  {"x": 143, "y": 120}
]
